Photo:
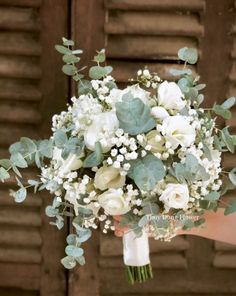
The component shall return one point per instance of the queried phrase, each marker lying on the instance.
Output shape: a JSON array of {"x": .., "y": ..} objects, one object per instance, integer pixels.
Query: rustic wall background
[{"x": 135, "y": 33}]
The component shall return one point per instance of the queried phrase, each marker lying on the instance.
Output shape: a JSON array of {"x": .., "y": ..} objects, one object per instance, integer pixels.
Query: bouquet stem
[{"x": 138, "y": 274}]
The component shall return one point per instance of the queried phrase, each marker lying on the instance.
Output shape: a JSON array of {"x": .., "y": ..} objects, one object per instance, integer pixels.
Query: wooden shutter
[
  {"x": 31, "y": 90},
  {"x": 139, "y": 33}
]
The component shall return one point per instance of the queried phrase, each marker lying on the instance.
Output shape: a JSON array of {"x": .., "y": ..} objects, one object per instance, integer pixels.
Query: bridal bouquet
[{"x": 147, "y": 156}]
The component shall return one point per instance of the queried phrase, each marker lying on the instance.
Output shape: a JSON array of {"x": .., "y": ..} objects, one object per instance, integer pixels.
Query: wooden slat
[
  {"x": 229, "y": 160},
  {"x": 19, "y": 19},
  {"x": 20, "y": 237},
  {"x": 32, "y": 200},
  {"x": 15, "y": 89},
  {"x": 25, "y": 276},
  {"x": 123, "y": 71},
  {"x": 146, "y": 47},
  {"x": 219, "y": 246},
  {"x": 19, "y": 67},
  {"x": 23, "y": 3},
  {"x": 112, "y": 246},
  {"x": 20, "y": 255},
  {"x": 224, "y": 260},
  {"x": 19, "y": 43},
  {"x": 173, "y": 261},
  {"x": 180, "y": 5},
  {"x": 20, "y": 113},
  {"x": 10, "y": 134},
  {"x": 11, "y": 216},
  {"x": 151, "y": 23}
]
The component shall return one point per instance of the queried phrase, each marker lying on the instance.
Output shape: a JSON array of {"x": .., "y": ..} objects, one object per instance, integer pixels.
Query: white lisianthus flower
[
  {"x": 170, "y": 96},
  {"x": 71, "y": 163},
  {"x": 108, "y": 177},
  {"x": 159, "y": 113},
  {"x": 175, "y": 196},
  {"x": 136, "y": 91},
  {"x": 113, "y": 202},
  {"x": 178, "y": 131},
  {"x": 102, "y": 129}
]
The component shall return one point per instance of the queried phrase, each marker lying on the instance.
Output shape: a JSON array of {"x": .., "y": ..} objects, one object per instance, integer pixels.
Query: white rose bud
[
  {"x": 175, "y": 196},
  {"x": 159, "y": 113},
  {"x": 113, "y": 202},
  {"x": 108, "y": 177}
]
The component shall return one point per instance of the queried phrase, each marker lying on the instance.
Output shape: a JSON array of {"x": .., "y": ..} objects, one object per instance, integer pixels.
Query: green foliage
[
  {"x": 177, "y": 72},
  {"x": 134, "y": 116},
  {"x": 189, "y": 55},
  {"x": 19, "y": 195},
  {"x": 212, "y": 196},
  {"x": 100, "y": 57},
  {"x": 190, "y": 170},
  {"x": 227, "y": 139},
  {"x": 231, "y": 208},
  {"x": 4, "y": 174},
  {"x": 223, "y": 112},
  {"x": 146, "y": 172},
  {"x": 95, "y": 158},
  {"x": 98, "y": 72},
  {"x": 232, "y": 176}
]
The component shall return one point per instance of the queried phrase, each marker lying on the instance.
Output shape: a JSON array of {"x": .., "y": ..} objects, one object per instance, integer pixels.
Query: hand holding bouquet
[{"x": 148, "y": 153}]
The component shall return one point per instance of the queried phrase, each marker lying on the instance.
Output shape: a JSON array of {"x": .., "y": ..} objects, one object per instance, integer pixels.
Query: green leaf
[
  {"x": 51, "y": 211},
  {"x": 150, "y": 208},
  {"x": 18, "y": 160},
  {"x": 60, "y": 138},
  {"x": 95, "y": 158},
  {"x": 232, "y": 176},
  {"x": 19, "y": 195},
  {"x": 67, "y": 42},
  {"x": 68, "y": 262},
  {"x": 143, "y": 221},
  {"x": 100, "y": 57},
  {"x": 219, "y": 110},
  {"x": 209, "y": 205},
  {"x": 77, "y": 51},
  {"x": 80, "y": 260},
  {"x": 189, "y": 55},
  {"x": 70, "y": 59},
  {"x": 134, "y": 116},
  {"x": 74, "y": 251},
  {"x": 227, "y": 139},
  {"x": 230, "y": 102},
  {"x": 71, "y": 239},
  {"x": 6, "y": 163},
  {"x": 177, "y": 72},
  {"x": 69, "y": 70},
  {"x": 231, "y": 208},
  {"x": 62, "y": 49},
  {"x": 212, "y": 196},
  {"x": 146, "y": 172},
  {"x": 46, "y": 148},
  {"x": 207, "y": 152},
  {"x": 84, "y": 235},
  {"x": 97, "y": 72},
  {"x": 4, "y": 174},
  {"x": 84, "y": 87}
]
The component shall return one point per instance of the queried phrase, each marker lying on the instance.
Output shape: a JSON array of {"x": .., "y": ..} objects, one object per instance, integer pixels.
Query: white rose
[
  {"x": 136, "y": 91},
  {"x": 108, "y": 177},
  {"x": 113, "y": 202},
  {"x": 170, "y": 96},
  {"x": 159, "y": 113},
  {"x": 175, "y": 196},
  {"x": 102, "y": 129},
  {"x": 71, "y": 163},
  {"x": 178, "y": 131}
]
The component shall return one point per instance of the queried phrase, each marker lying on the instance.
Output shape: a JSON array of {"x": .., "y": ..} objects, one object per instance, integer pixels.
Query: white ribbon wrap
[{"x": 135, "y": 249}]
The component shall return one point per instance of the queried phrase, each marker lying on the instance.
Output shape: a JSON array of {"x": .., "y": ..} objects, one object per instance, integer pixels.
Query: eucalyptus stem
[{"x": 138, "y": 274}]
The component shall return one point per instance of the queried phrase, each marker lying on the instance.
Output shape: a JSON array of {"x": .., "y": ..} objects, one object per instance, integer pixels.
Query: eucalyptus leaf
[
  {"x": 6, "y": 163},
  {"x": 231, "y": 208},
  {"x": 70, "y": 58},
  {"x": 177, "y": 72},
  {"x": 67, "y": 42},
  {"x": 74, "y": 251},
  {"x": 80, "y": 260},
  {"x": 97, "y": 72},
  {"x": 51, "y": 211},
  {"x": 95, "y": 158},
  {"x": 227, "y": 139},
  {"x": 18, "y": 160},
  {"x": 62, "y": 49},
  {"x": 230, "y": 102},
  {"x": 19, "y": 195},
  {"x": 134, "y": 116},
  {"x": 69, "y": 70},
  {"x": 4, "y": 174},
  {"x": 212, "y": 196},
  {"x": 189, "y": 55},
  {"x": 60, "y": 138},
  {"x": 146, "y": 172},
  {"x": 232, "y": 176},
  {"x": 68, "y": 262},
  {"x": 219, "y": 110}
]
